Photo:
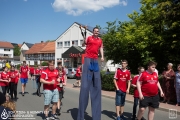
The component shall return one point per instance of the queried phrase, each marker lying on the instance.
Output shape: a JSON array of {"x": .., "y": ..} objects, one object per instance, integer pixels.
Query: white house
[
  {"x": 6, "y": 50},
  {"x": 24, "y": 47},
  {"x": 68, "y": 47}
]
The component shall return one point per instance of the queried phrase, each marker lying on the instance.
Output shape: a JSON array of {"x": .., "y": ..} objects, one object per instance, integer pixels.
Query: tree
[
  {"x": 17, "y": 51},
  {"x": 151, "y": 34}
]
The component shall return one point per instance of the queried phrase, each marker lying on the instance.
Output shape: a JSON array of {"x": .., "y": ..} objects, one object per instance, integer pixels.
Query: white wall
[
  {"x": 10, "y": 53},
  {"x": 24, "y": 47},
  {"x": 73, "y": 33}
]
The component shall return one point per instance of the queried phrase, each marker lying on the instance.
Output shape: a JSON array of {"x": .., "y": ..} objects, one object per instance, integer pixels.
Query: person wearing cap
[{"x": 91, "y": 80}]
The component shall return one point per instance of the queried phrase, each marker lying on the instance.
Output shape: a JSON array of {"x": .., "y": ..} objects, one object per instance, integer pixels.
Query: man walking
[
  {"x": 91, "y": 81},
  {"x": 50, "y": 78}
]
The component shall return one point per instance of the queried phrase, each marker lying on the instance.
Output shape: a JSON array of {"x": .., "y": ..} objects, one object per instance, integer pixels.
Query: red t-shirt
[
  {"x": 78, "y": 72},
  {"x": 31, "y": 70},
  {"x": 4, "y": 76},
  {"x": 92, "y": 47},
  {"x": 49, "y": 75},
  {"x": 134, "y": 81},
  {"x": 122, "y": 77},
  {"x": 14, "y": 76},
  {"x": 38, "y": 71},
  {"x": 62, "y": 79},
  {"x": 149, "y": 83},
  {"x": 24, "y": 71}
]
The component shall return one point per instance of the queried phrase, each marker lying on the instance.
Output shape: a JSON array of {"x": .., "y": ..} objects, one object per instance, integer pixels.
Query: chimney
[{"x": 41, "y": 41}]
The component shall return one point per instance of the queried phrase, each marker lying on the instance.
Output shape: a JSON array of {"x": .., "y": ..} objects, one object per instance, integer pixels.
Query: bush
[
  {"x": 18, "y": 66},
  {"x": 44, "y": 63}
]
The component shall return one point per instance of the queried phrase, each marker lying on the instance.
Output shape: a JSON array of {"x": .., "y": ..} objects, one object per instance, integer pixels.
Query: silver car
[{"x": 71, "y": 73}]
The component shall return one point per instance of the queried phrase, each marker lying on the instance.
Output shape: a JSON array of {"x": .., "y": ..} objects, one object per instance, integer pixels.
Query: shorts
[
  {"x": 50, "y": 96},
  {"x": 78, "y": 78},
  {"x": 149, "y": 101},
  {"x": 120, "y": 98},
  {"x": 24, "y": 80},
  {"x": 60, "y": 95}
]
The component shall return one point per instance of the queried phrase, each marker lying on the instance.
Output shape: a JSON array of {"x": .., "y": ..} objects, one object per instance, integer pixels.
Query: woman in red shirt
[
  {"x": 4, "y": 80},
  {"x": 14, "y": 77}
]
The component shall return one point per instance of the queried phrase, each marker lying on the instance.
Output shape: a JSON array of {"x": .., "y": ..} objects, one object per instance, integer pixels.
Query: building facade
[
  {"x": 24, "y": 47},
  {"x": 40, "y": 52},
  {"x": 6, "y": 50}
]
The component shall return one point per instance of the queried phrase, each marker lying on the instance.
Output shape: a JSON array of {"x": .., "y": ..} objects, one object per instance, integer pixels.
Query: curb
[{"x": 128, "y": 101}]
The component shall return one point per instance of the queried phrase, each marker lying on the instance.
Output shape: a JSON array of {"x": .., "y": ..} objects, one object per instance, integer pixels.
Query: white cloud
[
  {"x": 77, "y": 7},
  {"x": 25, "y": 0}
]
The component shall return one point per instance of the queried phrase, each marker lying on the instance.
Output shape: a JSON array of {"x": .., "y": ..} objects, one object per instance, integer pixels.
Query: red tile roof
[
  {"x": 44, "y": 47},
  {"x": 4, "y": 44}
]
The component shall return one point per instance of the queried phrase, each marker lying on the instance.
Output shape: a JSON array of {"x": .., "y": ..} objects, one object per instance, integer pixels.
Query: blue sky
[{"x": 36, "y": 20}]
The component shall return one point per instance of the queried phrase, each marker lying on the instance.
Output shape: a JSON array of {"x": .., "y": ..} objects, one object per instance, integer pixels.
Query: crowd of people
[{"x": 146, "y": 85}]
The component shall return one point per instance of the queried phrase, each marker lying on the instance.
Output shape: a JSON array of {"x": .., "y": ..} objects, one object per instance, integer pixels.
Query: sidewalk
[{"x": 129, "y": 98}]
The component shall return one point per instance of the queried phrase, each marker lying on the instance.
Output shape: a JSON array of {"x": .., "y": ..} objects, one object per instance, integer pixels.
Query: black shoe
[
  {"x": 46, "y": 118},
  {"x": 22, "y": 94},
  {"x": 58, "y": 112},
  {"x": 39, "y": 95},
  {"x": 143, "y": 118}
]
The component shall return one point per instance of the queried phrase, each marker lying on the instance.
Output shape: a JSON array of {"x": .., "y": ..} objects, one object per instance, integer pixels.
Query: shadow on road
[
  {"x": 24, "y": 92},
  {"x": 112, "y": 115},
  {"x": 74, "y": 112}
]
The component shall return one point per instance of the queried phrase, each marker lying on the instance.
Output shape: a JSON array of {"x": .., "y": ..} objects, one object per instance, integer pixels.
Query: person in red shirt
[
  {"x": 37, "y": 74},
  {"x": 121, "y": 77},
  {"x": 148, "y": 85},
  {"x": 31, "y": 71},
  {"x": 14, "y": 76},
  {"x": 78, "y": 76},
  {"x": 50, "y": 79},
  {"x": 60, "y": 88},
  {"x": 91, "y": 81},
  {"x": 136, "y": 94},
  {"x": 4, "y": 80},
  {"x": 24, "y": 72}
]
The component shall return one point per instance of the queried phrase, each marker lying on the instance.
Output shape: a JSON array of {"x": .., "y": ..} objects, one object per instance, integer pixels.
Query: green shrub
[
  {"x": 18, "y": 66},
  {"x": 44, "y": 63}
]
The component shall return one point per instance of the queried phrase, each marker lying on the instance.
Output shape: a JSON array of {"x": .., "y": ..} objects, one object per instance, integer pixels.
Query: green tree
[
  {"x": 17, "y": 51},
  {"x": 151, "y": 34}
]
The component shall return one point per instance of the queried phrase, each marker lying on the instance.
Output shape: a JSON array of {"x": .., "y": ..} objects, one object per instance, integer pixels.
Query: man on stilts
[{"x": 91, "y": 81}]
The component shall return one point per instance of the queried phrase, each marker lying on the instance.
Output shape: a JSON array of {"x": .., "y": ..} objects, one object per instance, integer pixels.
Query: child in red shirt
[
  {"x": 78, "y": 76},
  {"x": 136, "y": 94},
  {"x": 148, "y": 85},
  {"x": 4, "y": 80},
  {"x": 60, "y": 89},
  {"x": 14, "y": 76}
]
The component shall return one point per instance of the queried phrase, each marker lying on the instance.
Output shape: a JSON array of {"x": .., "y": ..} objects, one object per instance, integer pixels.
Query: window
[
  {"x": 66, "y": 43},
  {"x": 5, "y": 54},
  {"x": 75, "y": 42},
  {"x": 6, "y": 49},
  {"x": 81, "y": 42},
  {"x": 59, "y": 44}
]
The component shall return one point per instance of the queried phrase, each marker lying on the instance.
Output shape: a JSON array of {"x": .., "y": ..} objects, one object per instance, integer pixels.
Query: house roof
[
  {"x": 4, "y": 44},
  {"x": 36, "y": 48},
  {"x": 49, "y": 48},
  {"x": 44, "y": 47},
  {"x": 28, "y": 44},
  {"x": 19, "y": 45},
  {"x": 89, "y": 28}
]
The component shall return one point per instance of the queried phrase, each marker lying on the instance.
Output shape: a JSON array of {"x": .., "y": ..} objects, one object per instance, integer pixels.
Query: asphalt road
[{"x": 33, "y": 105}]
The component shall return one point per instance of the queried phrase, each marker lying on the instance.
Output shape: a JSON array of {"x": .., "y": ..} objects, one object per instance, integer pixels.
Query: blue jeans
[
  {"x": 120, "y": 98},
  {"x": 136, "y": 100}
]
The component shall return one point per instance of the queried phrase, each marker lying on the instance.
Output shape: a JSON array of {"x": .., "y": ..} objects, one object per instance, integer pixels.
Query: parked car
[{"x": 71, "y": 73}]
